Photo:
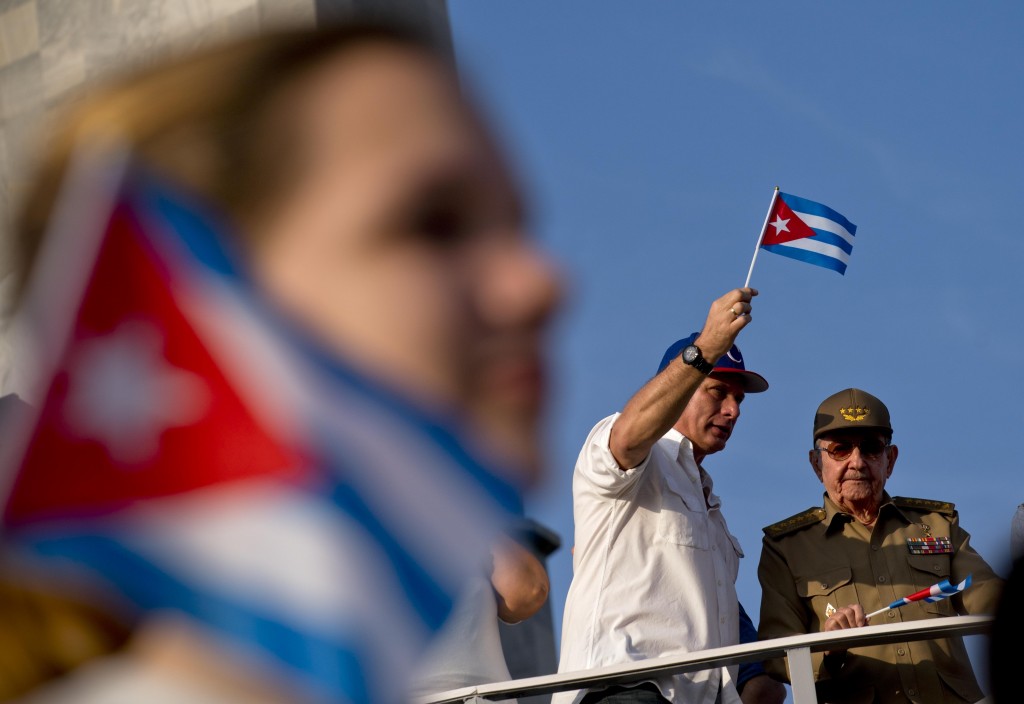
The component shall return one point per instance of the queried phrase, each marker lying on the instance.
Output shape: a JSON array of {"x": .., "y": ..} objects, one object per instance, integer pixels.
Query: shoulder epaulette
[
  {"x": 800, "y": 520},
  {"x": 945, "y": 507}
]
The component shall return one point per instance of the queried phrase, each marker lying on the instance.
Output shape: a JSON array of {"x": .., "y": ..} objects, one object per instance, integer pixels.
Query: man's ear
[
  {"x": 894, "y": 452},
  {"x": 814, "y": 457}
]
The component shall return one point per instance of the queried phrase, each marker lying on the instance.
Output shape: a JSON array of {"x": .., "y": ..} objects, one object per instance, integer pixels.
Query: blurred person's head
[{"x": 367, "y": 197}]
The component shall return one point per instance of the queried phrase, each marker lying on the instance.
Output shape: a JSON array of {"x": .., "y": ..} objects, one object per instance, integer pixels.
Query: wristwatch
[{"x": 691, "y": 355}]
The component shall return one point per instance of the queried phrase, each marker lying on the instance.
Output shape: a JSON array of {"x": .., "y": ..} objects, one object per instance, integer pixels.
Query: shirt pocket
[
  {"x": 678, "y": 524},
  {"x": 926, "y": 570},
  {"x": 833, "y": 587}
]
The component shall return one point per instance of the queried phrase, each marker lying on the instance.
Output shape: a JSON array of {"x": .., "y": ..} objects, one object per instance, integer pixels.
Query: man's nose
[
  {"x": 731, "y": 407},
  {"x": 856, "y": 458}
]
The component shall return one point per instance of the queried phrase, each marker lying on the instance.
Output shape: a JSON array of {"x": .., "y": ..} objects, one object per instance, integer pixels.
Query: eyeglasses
[{"x": 870, "y": 448}]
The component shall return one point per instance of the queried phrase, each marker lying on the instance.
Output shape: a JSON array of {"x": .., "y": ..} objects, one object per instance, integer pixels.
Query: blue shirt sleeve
[{"x": 748, "y": 634}]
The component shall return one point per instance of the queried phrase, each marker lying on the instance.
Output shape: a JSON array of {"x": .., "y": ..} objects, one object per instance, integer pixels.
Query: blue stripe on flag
[
  {"x": 328, "y": 668},
  {"x": 187, "y": 221},
  {"x": 806, "y": 256},
  {"x": 802, "y": 205},
  {"x": 833, "y": 239},
  {"x": 429, "y": 599}
]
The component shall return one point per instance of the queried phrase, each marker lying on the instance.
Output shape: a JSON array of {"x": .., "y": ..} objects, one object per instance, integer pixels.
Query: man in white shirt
[{"x": 654, "y": 562}]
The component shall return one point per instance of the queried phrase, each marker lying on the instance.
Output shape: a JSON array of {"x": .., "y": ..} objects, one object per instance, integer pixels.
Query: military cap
[{"x": 851, "y": 409}]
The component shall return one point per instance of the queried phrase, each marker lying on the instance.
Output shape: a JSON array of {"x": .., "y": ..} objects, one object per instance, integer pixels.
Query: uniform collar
[{"x": 835, "y": 517}]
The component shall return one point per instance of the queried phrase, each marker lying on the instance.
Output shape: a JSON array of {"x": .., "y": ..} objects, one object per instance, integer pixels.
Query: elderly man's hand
[
  {"x": 727, "y": 316},
  {"x": 846, "y": 617}
]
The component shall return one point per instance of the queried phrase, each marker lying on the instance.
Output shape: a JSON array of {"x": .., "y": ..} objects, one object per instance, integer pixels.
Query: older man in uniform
[{"x": 823, "y": 569}]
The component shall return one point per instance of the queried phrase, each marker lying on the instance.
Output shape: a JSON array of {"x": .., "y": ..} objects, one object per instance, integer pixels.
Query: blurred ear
[{"x": 814, "y": 457}]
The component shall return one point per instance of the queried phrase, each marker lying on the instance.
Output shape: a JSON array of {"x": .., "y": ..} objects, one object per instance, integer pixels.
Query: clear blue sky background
[{"x": 649, "y": 136}]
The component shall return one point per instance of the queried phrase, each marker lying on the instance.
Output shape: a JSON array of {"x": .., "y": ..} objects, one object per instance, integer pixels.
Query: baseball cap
[
  {"x": 851, "y": 409},
  {"x": 730, "y": 363}
]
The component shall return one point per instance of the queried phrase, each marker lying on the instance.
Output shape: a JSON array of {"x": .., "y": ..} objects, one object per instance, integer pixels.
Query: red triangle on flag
[
  {"x": 784, "y": 225},
  {"x": 138, "y": 408}
]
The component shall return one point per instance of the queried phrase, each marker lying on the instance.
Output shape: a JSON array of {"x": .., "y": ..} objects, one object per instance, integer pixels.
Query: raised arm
[{"x": 658, "y": 404}]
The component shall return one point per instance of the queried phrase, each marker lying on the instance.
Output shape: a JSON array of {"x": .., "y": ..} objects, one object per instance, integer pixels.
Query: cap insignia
[{"x": 854, "y": 413}]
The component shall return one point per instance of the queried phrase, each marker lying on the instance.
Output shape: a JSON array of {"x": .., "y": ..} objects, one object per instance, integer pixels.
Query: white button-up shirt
[{"x": 654, "y": 568}]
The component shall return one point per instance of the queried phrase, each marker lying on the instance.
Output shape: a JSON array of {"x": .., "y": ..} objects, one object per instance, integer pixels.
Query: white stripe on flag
[
  {"x": 817, "y": 222},
  {"x": 288, "y": 556},
  {"x": 812, "y": 245}
]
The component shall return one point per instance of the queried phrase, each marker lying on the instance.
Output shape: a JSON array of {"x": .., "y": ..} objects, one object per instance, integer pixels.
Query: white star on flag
[
  {"x": 780, "y": 225},
  {"x": 124, "y": 393}
]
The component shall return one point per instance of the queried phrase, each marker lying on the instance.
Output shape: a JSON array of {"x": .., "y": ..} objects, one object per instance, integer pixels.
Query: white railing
[{"x": 797, "y": 649}]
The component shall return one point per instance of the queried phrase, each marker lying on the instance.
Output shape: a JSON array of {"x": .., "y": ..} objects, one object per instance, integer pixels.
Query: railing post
[{"x": 801, "y": 676}]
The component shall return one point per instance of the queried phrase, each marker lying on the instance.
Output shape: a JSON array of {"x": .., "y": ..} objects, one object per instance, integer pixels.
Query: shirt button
[
  {"x": 875, "y": 548},
  {"x": 935, "y": 567},
  {"x": 912, "y": 692},
  {"x": 714, "y": 547},
  {"x": 719, "y": 582},
  {"x": 824, "y": 585},
  {"x": 882, "y": 579},
  {"x": 901, "y": 651},
  {"x": 892, "y": 614},
  {"x": 723, "y": 619}
]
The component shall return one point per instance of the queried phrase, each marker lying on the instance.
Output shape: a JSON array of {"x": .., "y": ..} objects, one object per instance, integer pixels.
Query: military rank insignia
[
  {"x": 829, "y": 610},
  {"x": 929, "y": 546}
]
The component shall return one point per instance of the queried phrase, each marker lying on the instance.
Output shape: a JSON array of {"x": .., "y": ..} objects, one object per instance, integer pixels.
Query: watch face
[{"x": 690, "y": 354}]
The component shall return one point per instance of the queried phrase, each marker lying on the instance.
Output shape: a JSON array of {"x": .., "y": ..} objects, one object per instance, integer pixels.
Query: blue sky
[{"x": 649, "y": 136}]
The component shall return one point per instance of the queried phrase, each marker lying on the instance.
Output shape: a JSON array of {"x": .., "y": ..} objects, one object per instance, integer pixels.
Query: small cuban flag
[
  {"x": 936, "y": 592},
  {"x": 811, "y": 232}
]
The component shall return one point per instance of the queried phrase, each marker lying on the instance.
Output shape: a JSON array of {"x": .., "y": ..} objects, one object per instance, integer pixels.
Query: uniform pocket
[
  {"x": 927, "y": 570},
  {"x": 833, "y": 587},
  {"x": 824, "y": 583}
]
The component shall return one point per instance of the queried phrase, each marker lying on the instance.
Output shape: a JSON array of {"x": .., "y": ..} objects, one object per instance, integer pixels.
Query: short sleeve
[{"x": 598, "y": 466}]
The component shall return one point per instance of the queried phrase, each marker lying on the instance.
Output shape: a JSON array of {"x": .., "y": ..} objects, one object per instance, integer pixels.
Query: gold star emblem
[{"x": 854, "y": 414}]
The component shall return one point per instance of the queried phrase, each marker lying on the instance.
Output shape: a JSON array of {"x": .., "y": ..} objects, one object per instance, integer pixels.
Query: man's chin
[{"x": 711, "y": 445}]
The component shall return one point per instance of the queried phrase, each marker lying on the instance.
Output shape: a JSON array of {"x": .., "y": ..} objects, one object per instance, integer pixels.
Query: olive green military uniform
[{"x": 824, "y": 557}]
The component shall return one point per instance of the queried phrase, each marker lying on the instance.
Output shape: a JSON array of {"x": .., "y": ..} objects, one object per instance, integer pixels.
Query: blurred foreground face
[{"x": 402, "y": 243}]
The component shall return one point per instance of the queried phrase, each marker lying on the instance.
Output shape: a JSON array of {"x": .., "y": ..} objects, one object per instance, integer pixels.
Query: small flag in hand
[
  {"x": 811, "y": 232},
  {"x": 936, "y": 592}
]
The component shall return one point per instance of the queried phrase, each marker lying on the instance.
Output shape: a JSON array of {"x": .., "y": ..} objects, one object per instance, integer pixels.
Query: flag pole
[
  {"x": 760, "y": 238},
  {"x": 875, "y": 613}
]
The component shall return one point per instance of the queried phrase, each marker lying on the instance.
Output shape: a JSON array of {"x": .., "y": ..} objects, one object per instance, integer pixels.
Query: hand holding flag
[{"x": 936, "y": 592}]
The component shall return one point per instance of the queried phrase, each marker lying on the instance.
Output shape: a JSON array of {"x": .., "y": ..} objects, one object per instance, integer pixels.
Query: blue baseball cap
[{"x": 730, "y": 363}]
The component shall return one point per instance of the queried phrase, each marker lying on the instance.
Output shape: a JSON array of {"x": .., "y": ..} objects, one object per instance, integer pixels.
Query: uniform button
[
  {"x": 824, "y": 585},
  {"x": 892, "y": 614},
  {"x": 714, "y": 547},
  {"x": 719, "y": 582},
  {"x": 723, "y": 619},
  {"x": 935, "y": 567},
  {"x": 901, "y": 651},
  {"x": 912, "y": 692},
  {"x": 882, "y": 579},
  {"x": 875, "y": 548}
]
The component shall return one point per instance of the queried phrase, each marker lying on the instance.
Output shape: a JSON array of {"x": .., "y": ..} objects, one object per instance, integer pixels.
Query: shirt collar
[
  {"x": 686, "y": 460},
  {"x": 832, "y": 511}
]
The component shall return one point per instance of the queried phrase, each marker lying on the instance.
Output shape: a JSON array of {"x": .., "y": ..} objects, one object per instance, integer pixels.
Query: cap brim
[{"x": 752, "y": 382}]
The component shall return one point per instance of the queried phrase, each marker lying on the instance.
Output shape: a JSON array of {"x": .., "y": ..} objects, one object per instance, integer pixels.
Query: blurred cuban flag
[
  {"x": 195, "y": 453},
  {"x": 808, "y": 231}
]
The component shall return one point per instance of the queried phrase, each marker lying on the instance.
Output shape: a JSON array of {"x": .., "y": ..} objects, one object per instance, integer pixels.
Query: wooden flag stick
[{"x": 760, "y": 238}]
